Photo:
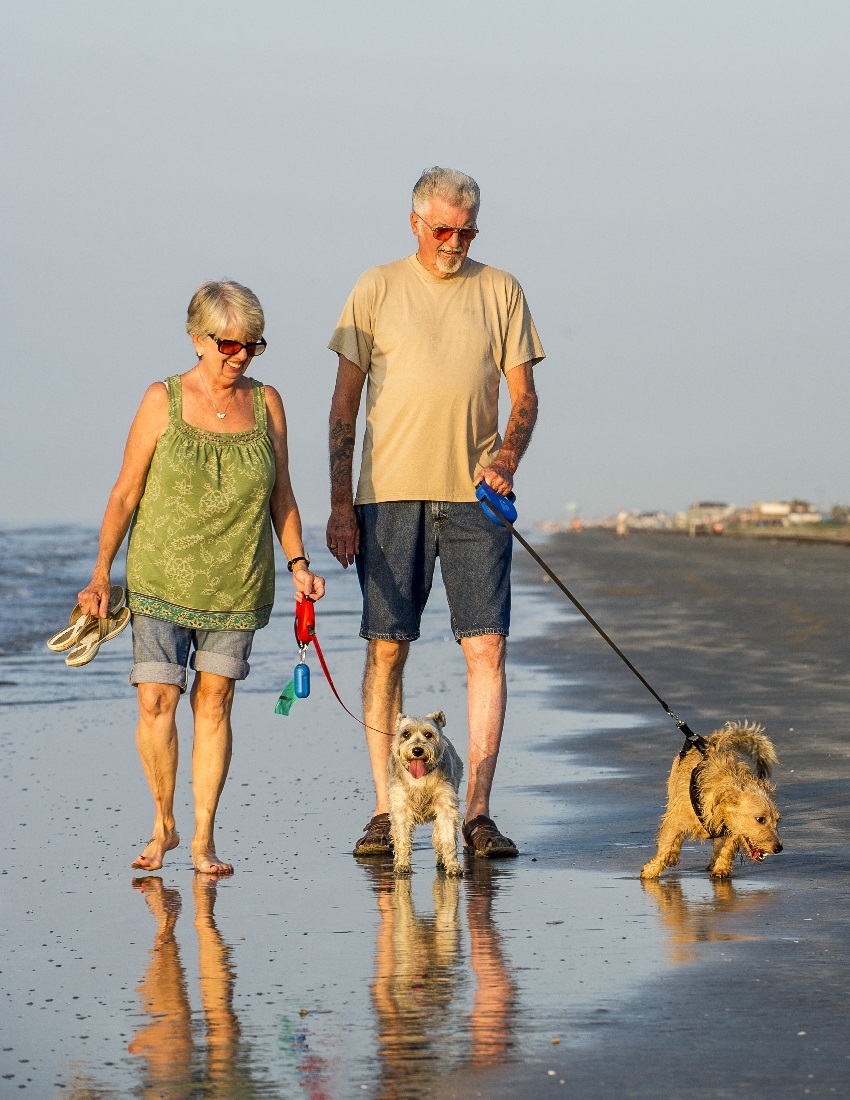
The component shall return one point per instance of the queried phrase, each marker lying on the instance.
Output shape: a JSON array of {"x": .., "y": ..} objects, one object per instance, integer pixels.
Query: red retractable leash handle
[
  {"x": 305, "y": 621},
  {"x": 305, "y": 633}
]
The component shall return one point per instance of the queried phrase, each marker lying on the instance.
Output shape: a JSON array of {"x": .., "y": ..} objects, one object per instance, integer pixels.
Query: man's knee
[
  {"x": 485, "y": 651},
  {"x": 387, "y": 657}
]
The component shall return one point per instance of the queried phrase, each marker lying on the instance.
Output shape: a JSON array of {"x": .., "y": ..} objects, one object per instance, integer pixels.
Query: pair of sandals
[
  {"x": 481, "y": 838},
  {"x": 85, "y": 634}
]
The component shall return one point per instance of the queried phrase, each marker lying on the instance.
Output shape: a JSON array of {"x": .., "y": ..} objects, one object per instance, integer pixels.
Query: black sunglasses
[{"x": 233, "y": 347}]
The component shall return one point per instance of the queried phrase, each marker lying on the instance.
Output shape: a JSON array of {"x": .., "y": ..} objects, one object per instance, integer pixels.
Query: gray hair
[
  {"x": 448, "y": 184},
  {"x": 217, "y": 306}
]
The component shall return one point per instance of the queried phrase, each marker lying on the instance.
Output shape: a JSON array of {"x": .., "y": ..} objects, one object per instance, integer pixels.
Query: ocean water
[{"x": 42, "y": 569}]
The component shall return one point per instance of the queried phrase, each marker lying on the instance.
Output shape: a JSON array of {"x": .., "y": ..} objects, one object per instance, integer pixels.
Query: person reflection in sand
[
  {"x": 177, "y": 1066},
  {"x": 495, "y": 992},
  {"x": 420, "y": 978},
  {"x": 689, "y": 923}
]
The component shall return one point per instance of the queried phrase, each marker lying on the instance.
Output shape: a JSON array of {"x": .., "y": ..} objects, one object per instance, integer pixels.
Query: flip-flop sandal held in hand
[
  {"x": 69, "y": 635},
  {"x": 481, "y": 837},
  {"x": 93, "y": 637}
]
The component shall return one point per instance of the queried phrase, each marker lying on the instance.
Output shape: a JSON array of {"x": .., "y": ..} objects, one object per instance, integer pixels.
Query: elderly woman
[{"x": 204, "y": 480}]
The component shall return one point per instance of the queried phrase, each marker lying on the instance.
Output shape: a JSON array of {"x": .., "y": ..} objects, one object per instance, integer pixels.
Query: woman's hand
[
  {"x": 308, "y": 584},
  {"x": 94, "y": 598}
]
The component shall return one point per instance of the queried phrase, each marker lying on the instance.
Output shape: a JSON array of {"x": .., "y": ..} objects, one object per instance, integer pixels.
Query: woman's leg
[
  {"x": 156, "y": 739},
  {"x": 212, "y": 702}
]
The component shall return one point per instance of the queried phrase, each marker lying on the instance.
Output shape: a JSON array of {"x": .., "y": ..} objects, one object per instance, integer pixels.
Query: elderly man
[{"x": 433, "y": 334}]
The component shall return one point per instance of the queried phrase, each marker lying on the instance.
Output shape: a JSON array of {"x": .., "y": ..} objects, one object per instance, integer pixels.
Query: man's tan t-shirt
[{"x": 434, "y": 351}]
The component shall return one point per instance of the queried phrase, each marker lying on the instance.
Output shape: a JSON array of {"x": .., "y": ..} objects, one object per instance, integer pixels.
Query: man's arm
[
  {"x": 499, "y": 475},
  {"x": 343, "y": 535}
]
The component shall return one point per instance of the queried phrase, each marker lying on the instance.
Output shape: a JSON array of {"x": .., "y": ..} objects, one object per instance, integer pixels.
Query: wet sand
[
  {"x": 309, "y": 975},
  {"x": 757, "y": 999}
]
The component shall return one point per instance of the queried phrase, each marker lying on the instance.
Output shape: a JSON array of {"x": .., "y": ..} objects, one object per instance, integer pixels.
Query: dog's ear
[
  {"x": 438, "y": 717},
  {"x": 398, "y": 720}
]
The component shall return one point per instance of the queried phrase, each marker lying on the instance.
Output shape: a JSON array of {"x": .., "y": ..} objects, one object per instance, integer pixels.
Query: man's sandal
[
  {"x": 377, "y": 840},
  {"x": 481, "y": 838}
]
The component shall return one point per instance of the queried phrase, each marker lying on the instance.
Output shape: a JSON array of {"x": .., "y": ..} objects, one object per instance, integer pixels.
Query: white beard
[{"x": 449, "y": 263}]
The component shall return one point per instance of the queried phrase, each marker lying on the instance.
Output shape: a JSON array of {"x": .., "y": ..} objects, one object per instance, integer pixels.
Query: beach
[{"x": 308, "y": 974}]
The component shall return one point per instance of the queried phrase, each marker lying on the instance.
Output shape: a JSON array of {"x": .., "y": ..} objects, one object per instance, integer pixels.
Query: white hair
[
  {"x": 448, "y": 184},
  {"x": 217, "y": 306}
]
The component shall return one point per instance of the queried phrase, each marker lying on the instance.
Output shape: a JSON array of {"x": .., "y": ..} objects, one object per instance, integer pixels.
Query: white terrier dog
[{"x": 424, "y": 776}]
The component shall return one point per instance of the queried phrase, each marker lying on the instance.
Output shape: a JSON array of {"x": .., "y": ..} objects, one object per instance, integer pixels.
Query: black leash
[{"x": 692, "y": 740}]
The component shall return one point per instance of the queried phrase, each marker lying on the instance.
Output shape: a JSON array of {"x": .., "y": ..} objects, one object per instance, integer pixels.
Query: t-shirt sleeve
[
  {"x": 354, "y": 333},
  {"x": 522, "y": 344}
]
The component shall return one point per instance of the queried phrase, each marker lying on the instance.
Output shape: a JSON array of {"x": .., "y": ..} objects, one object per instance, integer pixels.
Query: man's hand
[
  {"x": 499, "y": 478},
  {"x": 343, "y": 535}
]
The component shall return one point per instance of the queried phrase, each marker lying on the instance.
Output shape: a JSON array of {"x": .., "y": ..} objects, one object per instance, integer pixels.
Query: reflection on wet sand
[
  {"x": 178, "y": 1062},
  {"x": 420, "y": 986},
  {"x": 495, "y": 991},
  {"x": 689, "y": 923}
]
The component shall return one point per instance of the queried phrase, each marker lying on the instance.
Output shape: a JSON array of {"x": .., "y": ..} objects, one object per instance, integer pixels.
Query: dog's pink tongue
[{"x": 417, "y": 768}]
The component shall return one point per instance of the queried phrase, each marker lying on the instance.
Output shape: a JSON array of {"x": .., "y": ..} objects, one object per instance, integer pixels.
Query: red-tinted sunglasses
[
  {"x": 233, "y": 347},
  {"x": 446, "y": 232}
]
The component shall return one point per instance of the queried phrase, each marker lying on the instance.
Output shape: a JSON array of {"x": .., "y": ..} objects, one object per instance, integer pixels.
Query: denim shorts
[
  {"x": 161, "y": 652},
  {"x": 400, "y": 542}
]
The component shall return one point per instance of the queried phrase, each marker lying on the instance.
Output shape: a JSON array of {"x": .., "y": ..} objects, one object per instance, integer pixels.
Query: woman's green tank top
[{"x": 201, "y": 552}]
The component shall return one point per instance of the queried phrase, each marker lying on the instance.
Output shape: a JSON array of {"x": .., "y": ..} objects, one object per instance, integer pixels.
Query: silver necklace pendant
[{"x": 221, "y": 416}]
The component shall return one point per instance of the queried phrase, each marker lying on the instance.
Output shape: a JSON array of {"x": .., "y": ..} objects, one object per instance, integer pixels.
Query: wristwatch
[{"x": 292, "y": 562}]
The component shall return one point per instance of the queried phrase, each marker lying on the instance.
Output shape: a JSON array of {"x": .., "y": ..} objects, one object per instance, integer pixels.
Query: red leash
[{"x": 305, "y": 633}]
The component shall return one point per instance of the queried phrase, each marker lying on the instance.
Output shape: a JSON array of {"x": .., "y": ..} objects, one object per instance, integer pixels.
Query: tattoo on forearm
[
  {"x": 342, "y": 454},
  {"x": 518, "y": 433}
]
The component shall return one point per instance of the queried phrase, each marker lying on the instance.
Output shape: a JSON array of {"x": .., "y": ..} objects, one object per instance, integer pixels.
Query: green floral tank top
[{"x": 201, "y": 552}]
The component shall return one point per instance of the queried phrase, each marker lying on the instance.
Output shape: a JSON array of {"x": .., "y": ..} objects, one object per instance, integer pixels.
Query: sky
[{"x": 668, "y": 181}]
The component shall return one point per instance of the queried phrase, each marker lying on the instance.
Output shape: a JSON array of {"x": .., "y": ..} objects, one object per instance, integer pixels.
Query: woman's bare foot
[
  {"x": 207, "y": 862},
  {"x": 153, "y": 855}
]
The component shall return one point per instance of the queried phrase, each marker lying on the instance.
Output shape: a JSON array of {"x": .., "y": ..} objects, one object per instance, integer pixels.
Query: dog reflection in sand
[
  {"x": 424, "y": 775},
  {"x": 716, "y": 796}
]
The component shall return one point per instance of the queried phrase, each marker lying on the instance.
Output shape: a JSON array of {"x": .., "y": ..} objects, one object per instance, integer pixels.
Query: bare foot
[
  {"x": 153, "y": 855},
  {"x": 208, "y": 863}
]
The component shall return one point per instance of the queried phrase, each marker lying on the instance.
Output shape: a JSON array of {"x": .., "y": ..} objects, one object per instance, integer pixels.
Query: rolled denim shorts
[
  {"x": 400, "y": 542},
  {"x": 161, "y": 652}
]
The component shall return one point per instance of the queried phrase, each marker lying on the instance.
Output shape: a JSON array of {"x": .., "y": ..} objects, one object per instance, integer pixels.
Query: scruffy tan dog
[
  {"x": 717, "y": 797},
  {"x": 424, "y": 776}
]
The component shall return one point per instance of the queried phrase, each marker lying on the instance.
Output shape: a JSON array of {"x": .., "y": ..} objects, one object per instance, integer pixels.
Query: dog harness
[{"x": 696, "y": 803}]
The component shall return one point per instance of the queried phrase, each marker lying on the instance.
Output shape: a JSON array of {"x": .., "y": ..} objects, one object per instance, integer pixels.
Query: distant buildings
[
  {"x": 709, "y": 517},
  {"x": 713, "y": 517},
  {"x": 780, "y": 513}
]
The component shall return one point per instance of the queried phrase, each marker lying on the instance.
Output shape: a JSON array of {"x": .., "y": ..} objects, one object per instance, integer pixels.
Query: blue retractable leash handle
[
  {"x": 504, "y": 506},
  {"x": 502, "y": 510}
]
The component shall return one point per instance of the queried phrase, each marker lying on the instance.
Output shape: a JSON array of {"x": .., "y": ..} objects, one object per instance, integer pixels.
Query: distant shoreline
[
  {"x": 823, "y": 534},
  {"x": 826, "y": 533}
]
